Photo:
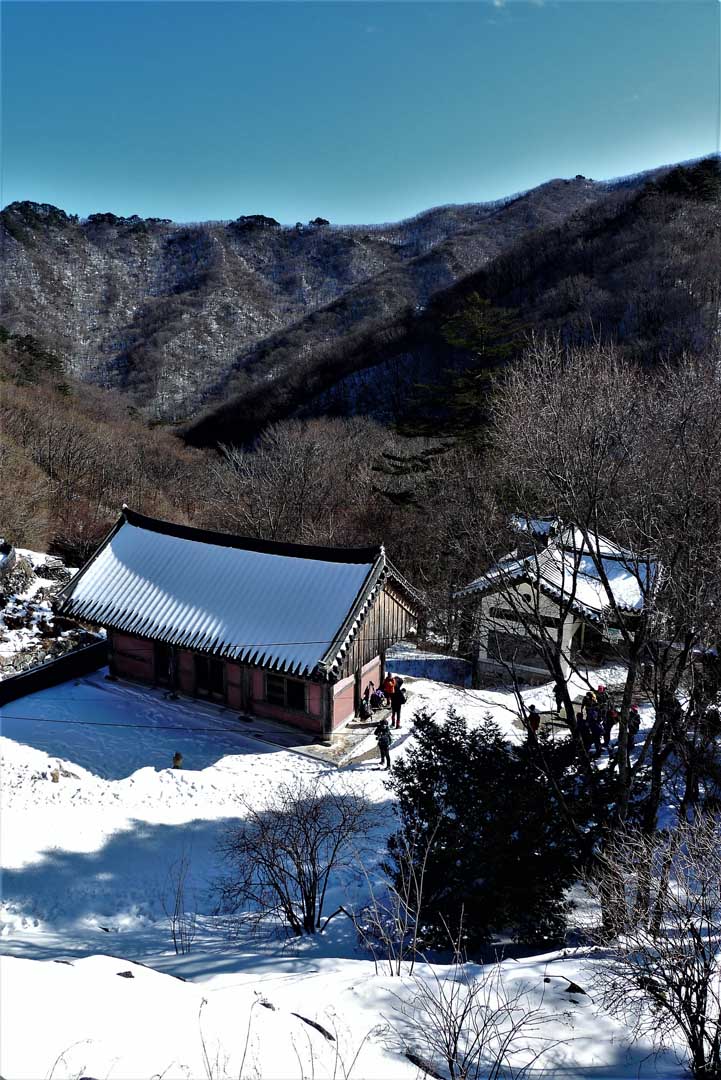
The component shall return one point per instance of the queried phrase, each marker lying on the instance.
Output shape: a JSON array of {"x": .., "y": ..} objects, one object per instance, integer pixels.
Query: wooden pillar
[
  {"x": 112, "y": 669},
  {"x": 326, "y": 712},
  {"x": 357, "y": 688}
]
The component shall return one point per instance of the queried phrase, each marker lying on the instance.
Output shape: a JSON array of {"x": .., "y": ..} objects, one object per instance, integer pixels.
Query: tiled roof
[
  {"x": 290, "y": 607},
  {"x": 567, "y": 569}
]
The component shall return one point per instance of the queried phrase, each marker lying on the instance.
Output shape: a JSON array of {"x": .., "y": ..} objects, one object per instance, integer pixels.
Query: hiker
[
  {"x": 388, "y": 685},
  {"x": 609, "y": 722},
  {"x": 377, "y": 700},
  {"x": 582, "y": 730},
  {"x": 595, "y": 730},
  {"x": 634, "y": 724},
  {"x": 604, "y": 703},
  {"x": 558, "y": 695},
  {"x": 368, "y": 691},
  {"x": 364, "y": 709},
  {"x": 533, "y": 720},
  {"x": 398, "y": 700},
  {"x": 589, "y": 701},
  {"x": 383, "y": 738}
]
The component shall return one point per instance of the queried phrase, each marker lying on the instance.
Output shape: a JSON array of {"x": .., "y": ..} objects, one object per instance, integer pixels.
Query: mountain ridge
[{"x": 173, "y": 313}]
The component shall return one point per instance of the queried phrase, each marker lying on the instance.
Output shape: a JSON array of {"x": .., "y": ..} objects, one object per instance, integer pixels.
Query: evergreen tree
[
  {"x": 701, "y": 181},
  {"x": 499, "y": 856},
  {"x": 455, "y": 407}
]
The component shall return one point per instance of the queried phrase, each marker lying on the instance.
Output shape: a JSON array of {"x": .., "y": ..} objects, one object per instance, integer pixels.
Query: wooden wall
[
  {"x": 388, "y": 621},
  {"x": 132, "y": 657}
]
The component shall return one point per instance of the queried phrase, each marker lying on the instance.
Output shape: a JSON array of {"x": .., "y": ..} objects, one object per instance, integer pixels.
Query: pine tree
[
  {"x": 455, "y": 408},
  {"x": 499, "y": 857}
]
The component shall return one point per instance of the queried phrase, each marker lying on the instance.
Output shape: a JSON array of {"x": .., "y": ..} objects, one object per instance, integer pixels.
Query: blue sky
[{"x": 356, "y": 111}]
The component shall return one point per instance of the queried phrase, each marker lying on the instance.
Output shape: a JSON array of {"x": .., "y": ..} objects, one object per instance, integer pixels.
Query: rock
[{"x": 318, "y": 1027}]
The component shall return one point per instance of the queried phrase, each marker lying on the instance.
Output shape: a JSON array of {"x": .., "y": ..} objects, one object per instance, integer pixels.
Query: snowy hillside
[
  {"x": 29, "y": 631},
  {"x": 94, "y": 820}
]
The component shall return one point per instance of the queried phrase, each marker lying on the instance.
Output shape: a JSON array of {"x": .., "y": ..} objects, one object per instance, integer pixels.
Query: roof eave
[
  {"x": 64, "y": 595},
  {"x": 351, "y": 624}
]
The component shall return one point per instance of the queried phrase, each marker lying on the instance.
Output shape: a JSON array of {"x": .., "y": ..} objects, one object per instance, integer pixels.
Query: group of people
[
  {"x": 391, "y": 693},
  {"x": 597, "y": 718}
]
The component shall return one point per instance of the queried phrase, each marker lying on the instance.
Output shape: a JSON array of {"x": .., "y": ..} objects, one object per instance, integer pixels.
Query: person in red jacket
[{"x": 388, "y": 685}]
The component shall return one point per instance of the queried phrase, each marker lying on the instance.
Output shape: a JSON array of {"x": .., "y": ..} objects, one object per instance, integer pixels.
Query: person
[
  {"x": 558, "y": 695},
  {"x": 634, "y": 724},
  {"x": 383, "y": 738},
  {"x": 609, "y": 721},
  {"x": 595, "y": 731},
  {"x": 177, "y": 760},
  {"x": 398, "y": 700},
  {"x": 377, "y": 699},
  {"x": 589, "y": 701},
  {"x": 582, "y": 729},
  {"x": 604, "y": 703},
  {"x": 370, "y": 687},
  {"x": 364, "y": 709},
  {"x": 533, "y": 719},
  {"x": 388, "y": 685}
]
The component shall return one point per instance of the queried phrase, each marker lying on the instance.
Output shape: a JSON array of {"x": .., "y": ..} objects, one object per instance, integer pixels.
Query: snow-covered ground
[
  {"x": 86, "y": 880},
  {"x": 29, "y": 631}
]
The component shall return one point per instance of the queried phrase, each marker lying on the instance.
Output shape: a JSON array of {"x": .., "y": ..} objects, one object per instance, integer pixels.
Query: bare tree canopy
[
  {"x": 282, "y": 858},
  {"x": 664, "y": 967}
]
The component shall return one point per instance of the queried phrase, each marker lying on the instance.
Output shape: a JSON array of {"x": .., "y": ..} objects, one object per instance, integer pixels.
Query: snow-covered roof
[
  {"x": 290, "y": 607},
  {"x": 568, "y": 569},
  {"x": 534, "y": 526}
]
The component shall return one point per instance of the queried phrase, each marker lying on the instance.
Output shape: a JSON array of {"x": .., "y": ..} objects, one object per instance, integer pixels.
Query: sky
[{"x": 354, "y": 111}]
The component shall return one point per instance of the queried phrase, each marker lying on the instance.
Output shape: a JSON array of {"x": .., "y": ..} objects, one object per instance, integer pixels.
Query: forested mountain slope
[
  {"x": 639, "y": 267},
  {"x": 173, "y": 313}
]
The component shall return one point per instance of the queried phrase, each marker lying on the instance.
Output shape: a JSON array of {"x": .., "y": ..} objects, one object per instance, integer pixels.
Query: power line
[{"x": 144, "y": 727}]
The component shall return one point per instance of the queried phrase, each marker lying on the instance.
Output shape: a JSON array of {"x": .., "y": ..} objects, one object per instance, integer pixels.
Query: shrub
[{"x": 501, "y": 859}]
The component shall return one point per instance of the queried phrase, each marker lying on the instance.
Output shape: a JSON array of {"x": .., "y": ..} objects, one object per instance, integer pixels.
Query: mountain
[
  {"x": 637, "y": 266},
  {"x": 182, "y": 316}
]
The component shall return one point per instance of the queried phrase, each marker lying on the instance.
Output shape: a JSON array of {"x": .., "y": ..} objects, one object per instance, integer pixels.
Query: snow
[
  {"x": 565, "y": 568},
  {"x": 27, "y": 633},
  {"x": 86, "y": 877},
  {"x": 274, "y": 609}
]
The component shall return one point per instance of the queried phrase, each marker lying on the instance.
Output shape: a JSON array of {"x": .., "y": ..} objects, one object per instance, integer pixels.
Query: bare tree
[
  {"x": 183, "y": 923},
  {"x": 469, "y": 1026},
  {"x": 664, "y": 968},
  {"x": 584, "y": 437},
  {"x": 282, "y": 858},
  {"x": 389, "y": 924}
]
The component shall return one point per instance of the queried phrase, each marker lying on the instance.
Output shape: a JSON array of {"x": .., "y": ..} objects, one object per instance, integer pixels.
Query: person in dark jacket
[
  {"x": 634, "y": 724},
  {"x": 609, "y": 722},
  {"x": 582, "y": 729},
  {"x": 589, "y": 701},
  {"x": 533, "y": 720},
  {"x": 595, "y": 730},
  {"x": 383, "y": 738},
  {"x": 398, "y": 700},
  {"x": 604, "y": 707}
]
